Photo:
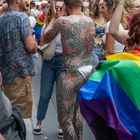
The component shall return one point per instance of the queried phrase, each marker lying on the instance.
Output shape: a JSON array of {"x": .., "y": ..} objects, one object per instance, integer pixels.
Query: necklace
[{"x": 100, "y": 21}]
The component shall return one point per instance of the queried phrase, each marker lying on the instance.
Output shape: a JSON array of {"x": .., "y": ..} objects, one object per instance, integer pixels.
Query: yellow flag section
[{"x": 133, "y": 55}]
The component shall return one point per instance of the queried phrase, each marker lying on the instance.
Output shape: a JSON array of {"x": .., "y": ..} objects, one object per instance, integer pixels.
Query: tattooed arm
[{"x": 51, "y": 31}]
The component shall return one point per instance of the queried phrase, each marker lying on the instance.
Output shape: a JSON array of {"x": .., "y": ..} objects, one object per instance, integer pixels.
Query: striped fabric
[{"x": 113, "y": 93}]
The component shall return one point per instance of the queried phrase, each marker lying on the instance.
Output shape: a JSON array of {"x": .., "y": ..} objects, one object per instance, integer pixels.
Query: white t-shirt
[
  {"x": 58, "y": 48},
  {"x": 118, "y": 47}
]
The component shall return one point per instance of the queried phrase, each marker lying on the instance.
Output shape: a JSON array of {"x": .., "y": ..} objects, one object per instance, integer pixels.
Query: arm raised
[{"x": 119, "y": 34}]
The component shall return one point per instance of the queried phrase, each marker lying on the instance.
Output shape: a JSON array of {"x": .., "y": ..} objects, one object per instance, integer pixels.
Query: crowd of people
[{"x": 84, "y": 32}]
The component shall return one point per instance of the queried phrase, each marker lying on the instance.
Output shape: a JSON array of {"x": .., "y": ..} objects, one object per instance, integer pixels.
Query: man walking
[{"x": 77, "y": 33}]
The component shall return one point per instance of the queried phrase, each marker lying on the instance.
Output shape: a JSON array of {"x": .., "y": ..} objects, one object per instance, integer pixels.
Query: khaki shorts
[{"x": 19, "y": 92}]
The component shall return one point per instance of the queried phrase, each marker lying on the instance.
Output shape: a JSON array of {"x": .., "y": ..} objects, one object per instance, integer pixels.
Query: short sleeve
[{"x": 26, "y": 29}]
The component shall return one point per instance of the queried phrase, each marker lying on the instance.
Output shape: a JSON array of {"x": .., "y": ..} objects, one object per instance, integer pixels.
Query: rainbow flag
[
  {"x": 39, "y": 25},
  {"x": 113, "y": 93}
]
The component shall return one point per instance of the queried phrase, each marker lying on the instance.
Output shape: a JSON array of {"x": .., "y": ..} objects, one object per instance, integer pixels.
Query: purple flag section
[{"x": 108, "y": 101}]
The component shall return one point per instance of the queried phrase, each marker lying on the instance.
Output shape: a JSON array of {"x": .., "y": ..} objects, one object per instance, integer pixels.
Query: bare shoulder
[
  {"x": 74, "y": 21},
  {"x": 63, "y": 22}
]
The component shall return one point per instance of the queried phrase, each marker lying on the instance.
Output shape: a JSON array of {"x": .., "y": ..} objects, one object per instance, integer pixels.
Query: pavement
[{"x": 50, "y": 124}]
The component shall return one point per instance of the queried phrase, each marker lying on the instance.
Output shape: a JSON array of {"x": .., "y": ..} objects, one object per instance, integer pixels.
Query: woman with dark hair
[
  {"x": 131, "y": 37},
  {"x": 98, "y": 18},
  {"x": 85, "y": 7},
  {"x": 51, "y": 68},
  {"x": 100, "y": 21},
  {"x": 96, "y": 9},
  {"x": 109, "y": 45}
]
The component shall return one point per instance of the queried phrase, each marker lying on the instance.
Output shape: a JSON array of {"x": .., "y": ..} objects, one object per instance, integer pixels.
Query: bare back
[{"x": 77, "y": 39}]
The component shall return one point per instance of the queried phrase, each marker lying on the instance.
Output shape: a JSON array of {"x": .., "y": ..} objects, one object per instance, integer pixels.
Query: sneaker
[
  {"x": 37, "y": 130},
  {"x": 60, "y": 134}
]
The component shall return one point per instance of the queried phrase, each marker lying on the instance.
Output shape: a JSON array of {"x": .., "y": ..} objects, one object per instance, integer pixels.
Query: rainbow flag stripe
[
  {"x": 113, "y": 93},
  {"x": 39, "y": 25}
]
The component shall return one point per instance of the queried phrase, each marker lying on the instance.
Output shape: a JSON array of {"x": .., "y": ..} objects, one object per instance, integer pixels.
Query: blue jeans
[
  {"x": 50, "y": 73},
  {"x": 97, "y": 55}
]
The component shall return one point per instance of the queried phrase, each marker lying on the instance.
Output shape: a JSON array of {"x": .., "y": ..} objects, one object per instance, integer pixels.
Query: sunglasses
[{"x": 59, "y": 7}]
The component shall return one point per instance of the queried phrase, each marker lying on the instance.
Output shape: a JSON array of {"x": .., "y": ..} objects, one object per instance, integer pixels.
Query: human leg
[
  {"x": 58, "y": 67},
  {"x": 68, "y": 86},
  {"x": 19, "y": 92},
  {"x": 46, "y": 88},
  {"x": 78, "y": 121}
]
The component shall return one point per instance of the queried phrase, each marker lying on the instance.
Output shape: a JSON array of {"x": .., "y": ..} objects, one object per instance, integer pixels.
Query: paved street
[{"x": 50, "y": 124}]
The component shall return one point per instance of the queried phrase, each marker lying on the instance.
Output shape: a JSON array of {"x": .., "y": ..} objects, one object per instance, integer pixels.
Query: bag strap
[{"x": 20, "y": 125}]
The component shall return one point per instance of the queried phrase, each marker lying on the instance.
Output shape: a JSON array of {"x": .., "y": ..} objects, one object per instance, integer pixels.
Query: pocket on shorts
[{"x": 15, "y": 89}]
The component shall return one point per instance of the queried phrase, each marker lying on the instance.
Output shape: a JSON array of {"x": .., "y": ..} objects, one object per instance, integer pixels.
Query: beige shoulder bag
[{"x": 49, "y": 50}]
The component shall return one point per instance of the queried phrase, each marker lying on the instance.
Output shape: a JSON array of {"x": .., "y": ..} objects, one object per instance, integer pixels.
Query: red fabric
[{"x": 42, "y": 17}]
